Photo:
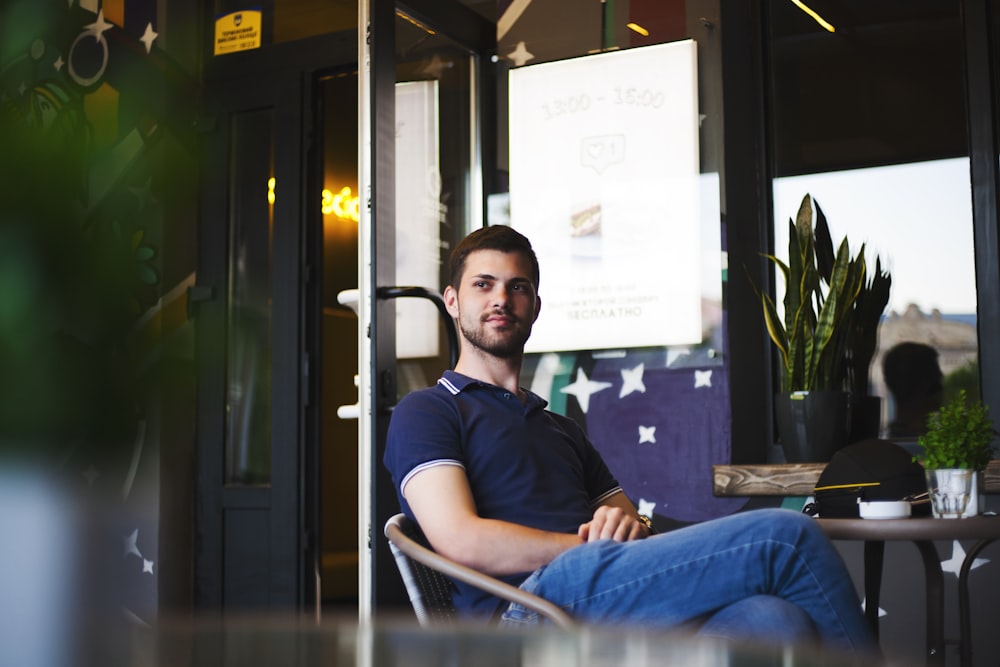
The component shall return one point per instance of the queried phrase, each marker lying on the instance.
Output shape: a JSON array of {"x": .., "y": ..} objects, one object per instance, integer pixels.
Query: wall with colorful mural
[{"x": 98, "y": 212}]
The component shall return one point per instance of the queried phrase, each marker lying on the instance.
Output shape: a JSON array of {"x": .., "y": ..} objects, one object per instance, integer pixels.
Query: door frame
[{"x": 278, "y": 77}]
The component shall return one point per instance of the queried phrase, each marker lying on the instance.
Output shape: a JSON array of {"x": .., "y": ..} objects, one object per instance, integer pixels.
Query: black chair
[{"x": 426, "y": 573}]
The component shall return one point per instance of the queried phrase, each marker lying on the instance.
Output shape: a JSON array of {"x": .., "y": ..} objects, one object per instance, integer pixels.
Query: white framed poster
[{"x": 604, "y": 182}]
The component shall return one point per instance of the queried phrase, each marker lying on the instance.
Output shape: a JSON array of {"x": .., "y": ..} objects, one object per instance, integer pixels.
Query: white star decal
[
  {"x": 100, "y": 26},
  {"x": 436, "y": 66},
  {"x": 646, "y": 507},
  {"x": 520, "y": 54},
  {"x": 647, "y": 434},
  {"x": 147, "y": 566},
  {"x": 703, "y": 378},
  {"x": 144, "y": 194},
  {"x": 149, "y": 37},
  {"x": 130, "y": 544},
  {"x": 583, "y": 388},
  {"x": 954, "y": 564},
  {"x": 632, "y": 381},
  {"x": 91, "y": 474},
  {"x": 881, "y": 612},
  {"x": 58, "y": 64}
]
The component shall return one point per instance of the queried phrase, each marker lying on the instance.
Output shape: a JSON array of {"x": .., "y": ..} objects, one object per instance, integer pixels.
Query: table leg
[
  {"x": 964, "y": 613},
  {"x": 935, "y": 603},
  {"x": 874, "y": 553}
]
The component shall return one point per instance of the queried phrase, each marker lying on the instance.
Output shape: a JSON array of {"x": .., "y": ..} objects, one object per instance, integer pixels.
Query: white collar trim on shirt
[{"x": 447, "y": 384}]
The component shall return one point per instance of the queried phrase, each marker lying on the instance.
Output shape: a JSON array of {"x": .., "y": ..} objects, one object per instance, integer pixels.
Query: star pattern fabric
[
  {"x": 881, "y": 612},
  {"x": 132, "y": 549},
  {"x": 645, "y": 507},
  {"x": 679, "y": 431},
  {"x": 520, "y": 55},
  {"x": 131, "y": 544},
  {"x": 632, "y": 381},
  {"x": 100, "y": 26},
  {"x": 953, "y": 565},
  {"x": 148, "y": 37},
  {"x": 583, "y": 388}
]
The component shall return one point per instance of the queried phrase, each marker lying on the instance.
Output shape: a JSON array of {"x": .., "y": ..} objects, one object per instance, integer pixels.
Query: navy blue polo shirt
[{"x": 524, "y": 464}]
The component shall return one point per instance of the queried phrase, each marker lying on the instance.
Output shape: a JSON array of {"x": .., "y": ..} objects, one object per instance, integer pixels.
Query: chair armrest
[{"x": 395, "y": 533}]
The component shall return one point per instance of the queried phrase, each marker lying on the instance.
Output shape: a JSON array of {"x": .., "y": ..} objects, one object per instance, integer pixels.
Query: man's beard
[{"x": 502, "y": 346}]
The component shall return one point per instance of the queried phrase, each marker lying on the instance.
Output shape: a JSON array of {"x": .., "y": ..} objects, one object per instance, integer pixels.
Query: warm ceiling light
[
  {"x": 816, "y": 17},
  {"x": 635, "y": 27},
  {"x": 409, "y": 19}
]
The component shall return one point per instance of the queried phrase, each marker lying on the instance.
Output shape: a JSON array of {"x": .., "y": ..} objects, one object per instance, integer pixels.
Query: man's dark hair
[{"x": 496, "y": 237}]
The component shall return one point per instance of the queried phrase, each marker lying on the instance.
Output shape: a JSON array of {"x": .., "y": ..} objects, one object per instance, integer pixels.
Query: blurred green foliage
[
  {"x": 64, "y": 284},
  {"x": 964, "y": 378}
]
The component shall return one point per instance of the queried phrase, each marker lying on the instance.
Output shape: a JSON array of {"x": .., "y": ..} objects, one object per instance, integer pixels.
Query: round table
[{"x": 922, "y": 532}]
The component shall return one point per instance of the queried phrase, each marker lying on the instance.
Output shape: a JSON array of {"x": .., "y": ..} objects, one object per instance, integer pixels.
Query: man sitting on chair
[{"x": 500, "y": 484}]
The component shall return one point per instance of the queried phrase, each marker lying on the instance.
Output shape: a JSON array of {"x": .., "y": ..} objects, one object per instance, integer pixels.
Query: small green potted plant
[{"x": 958, "y": 438}]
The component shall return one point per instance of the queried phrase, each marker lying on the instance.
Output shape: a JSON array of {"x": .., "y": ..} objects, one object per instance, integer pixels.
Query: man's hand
[{"x": 612, "y": 523}]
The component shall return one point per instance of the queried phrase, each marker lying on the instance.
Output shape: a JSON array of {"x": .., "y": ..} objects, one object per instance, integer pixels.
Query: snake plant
[{"x": 831, "y": 309}]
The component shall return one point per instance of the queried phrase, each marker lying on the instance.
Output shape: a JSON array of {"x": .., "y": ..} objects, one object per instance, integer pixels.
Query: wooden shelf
[{"x": 792, "y": 479}]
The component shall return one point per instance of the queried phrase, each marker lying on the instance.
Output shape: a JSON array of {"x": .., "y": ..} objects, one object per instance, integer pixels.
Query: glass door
[{"x": 423, "y": 144}]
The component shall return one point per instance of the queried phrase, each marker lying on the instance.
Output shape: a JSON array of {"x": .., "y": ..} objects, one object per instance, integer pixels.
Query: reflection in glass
[
  {"x": 871, "y": 121},
  {"x": 338, "y": 92},
  {"x": 248, "y": 374},
  {"x": 437, "y": 169},
  {"x": 913, "y": 379},
  {"x": 917, "y": 219}
]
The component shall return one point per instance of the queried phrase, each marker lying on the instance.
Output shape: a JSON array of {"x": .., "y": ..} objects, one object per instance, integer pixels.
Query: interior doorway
[{"x": 337, "y": 131}]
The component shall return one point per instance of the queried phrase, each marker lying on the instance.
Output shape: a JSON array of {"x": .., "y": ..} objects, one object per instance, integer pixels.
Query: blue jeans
[
  {"x": 759, "y": 618},
  {"x": 679, "y": 579}
]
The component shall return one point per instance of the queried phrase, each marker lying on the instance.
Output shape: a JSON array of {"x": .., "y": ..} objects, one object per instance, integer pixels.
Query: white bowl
[{"x": 884, "y": 509}]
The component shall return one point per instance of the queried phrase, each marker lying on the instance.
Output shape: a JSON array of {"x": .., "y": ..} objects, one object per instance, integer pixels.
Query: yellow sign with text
[{"x": 239, "y": 31}]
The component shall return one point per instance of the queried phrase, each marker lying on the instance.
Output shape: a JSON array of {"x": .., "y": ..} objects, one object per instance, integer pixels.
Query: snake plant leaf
[
  {"x": 774, "y": 328},
  {"x": 824, "y": 245},
  {"x": 804, "y": 224},
  {"x": 829, "y": 317},
  {"x": 793, "y": 278},
  {"x": 781, "y": 266}
]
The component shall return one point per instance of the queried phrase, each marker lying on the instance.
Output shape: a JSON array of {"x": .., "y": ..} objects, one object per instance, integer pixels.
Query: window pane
[{"x": 870, "y": 120}]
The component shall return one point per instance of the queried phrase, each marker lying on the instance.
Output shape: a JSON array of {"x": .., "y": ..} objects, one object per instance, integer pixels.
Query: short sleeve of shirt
[{"x": 424, "y": 430}]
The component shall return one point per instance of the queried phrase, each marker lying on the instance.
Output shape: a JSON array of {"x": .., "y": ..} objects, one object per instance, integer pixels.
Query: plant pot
[
  {"x": 866, "y": 417},
  {"x": 950, "y": 490},
  {"x": 812, "y": 425}
]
